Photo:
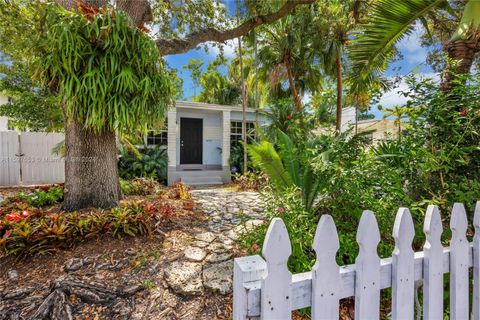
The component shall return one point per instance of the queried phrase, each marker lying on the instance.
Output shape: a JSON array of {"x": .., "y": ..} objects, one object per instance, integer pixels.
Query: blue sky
[{"x": 414, "y": 57}]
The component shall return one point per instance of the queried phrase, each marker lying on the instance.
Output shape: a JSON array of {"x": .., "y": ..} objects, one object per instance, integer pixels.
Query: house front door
[{"x": 191, "y": 141}]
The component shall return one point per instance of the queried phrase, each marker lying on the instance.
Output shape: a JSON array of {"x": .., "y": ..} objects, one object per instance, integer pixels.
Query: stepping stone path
[
  {"x": 208, "y": 263},
  {"x": 226, "y": 208}
]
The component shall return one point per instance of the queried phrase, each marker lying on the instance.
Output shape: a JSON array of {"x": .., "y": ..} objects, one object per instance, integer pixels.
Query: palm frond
[
  {"x": 374, "y": 43},
  {"x": 288, "y": 154},
  {"x": 265, "y": 157}
]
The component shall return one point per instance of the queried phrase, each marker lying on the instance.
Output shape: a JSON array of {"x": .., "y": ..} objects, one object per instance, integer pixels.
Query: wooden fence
[
  {"x": 26, "y": 158},
  {"x": 267, "y": 289}
]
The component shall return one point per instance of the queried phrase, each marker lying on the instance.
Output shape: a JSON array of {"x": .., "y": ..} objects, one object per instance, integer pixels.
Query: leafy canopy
[{"x": 107, "y": 71}]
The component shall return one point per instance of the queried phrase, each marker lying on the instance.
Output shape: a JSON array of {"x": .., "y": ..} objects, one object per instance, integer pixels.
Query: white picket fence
[{"x": 267, "y": 289}]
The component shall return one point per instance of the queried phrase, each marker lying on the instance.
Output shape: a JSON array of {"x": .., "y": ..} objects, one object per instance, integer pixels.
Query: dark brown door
[{"x": 191, "y": 141}]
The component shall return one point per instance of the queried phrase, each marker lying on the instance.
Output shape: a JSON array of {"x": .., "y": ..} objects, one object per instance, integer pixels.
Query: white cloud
[
  {"x": 395, "y": 97},
  {"x": 411, "y": 47},
  {"x": 229, "y": 48}
]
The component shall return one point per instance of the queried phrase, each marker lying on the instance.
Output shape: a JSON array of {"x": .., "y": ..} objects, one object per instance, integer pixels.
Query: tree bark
[
  {"x": 293, "y": 88},
  {"x": 338, "y": 122},
  {"x": 462, "y": 53},
  {"x": 91, "y": 173}
]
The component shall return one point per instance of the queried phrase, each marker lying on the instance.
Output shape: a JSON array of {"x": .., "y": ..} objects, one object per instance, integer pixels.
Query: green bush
[
  {"x": 300, "y": 224},
  {"x": 152, "y": 162},
  {"x": 435, "y": 161},
  {"x": 139, "y": 187},
  {"x": 43, "y": 196}
]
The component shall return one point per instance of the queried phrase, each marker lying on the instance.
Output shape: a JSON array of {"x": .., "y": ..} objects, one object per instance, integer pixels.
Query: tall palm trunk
[
  {"x": 338, "y": 63},
  {"x": 291, "y": 82},
  {"x": 463, "y": 45},
  {"x": 461, "y": 53}
]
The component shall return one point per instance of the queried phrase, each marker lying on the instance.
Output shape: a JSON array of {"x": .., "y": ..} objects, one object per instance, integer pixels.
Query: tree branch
[{"x": 191, "y": 41}]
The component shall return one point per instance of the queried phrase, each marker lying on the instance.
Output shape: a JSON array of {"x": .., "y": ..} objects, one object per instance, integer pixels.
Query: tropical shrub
[
  {"x": 250, "y": 180},
  {"x": 181, "y": 191},
  {"x": 287, "y": 166},
  {"x": 139, "y": 187},
  {"x": 30, "y": 230},
  {"x": 43, "y": 196},
  {"x": 151, "y": 162},
  {"x": 436, "y": 161},
  {"x": 236, "y": 158},
  {"x": 300, "y": 224}
]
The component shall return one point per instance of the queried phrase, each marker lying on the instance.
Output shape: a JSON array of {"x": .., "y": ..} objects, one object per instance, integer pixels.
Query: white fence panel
[
  {"x": 403, "y": 266},
  {"x": 39, "y": 165},
  {"x": 432, "y": 266},
  {"x": 476, "y": 264},
  {"x": 367, "y": 266},
  {"x": 326, "y": 272},
  {"x": 276, "y": 290},
  {"x": 269, "y": 290},
  {"x": 459, "y": 264},
  {"x": 9, "y": 161}
]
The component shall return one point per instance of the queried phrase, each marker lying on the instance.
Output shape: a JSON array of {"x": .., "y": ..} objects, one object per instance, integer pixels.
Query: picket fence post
[
  {"x": 458, "y": 264},
  {"x": 476, "y": 264},
  {"x": 276, "y": 300},
  {"x": 326, "y": 272},
  {"x": 403, "y": 280},
  {"x": 433, "y": 266},
  {"x": 367, "y": 266}
]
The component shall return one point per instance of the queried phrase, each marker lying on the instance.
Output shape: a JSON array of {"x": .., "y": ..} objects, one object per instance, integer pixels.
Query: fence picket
[
  {"x": 325, "y": 272},
  {"x": 476, "y": 264},
  {"x": 458, "y": 264},
  {"x": 276, "y": 285},
  {"x": 367, "y": 265},
  {"x": 403, "y": 279},
  {"x": 433, "y": 266}
]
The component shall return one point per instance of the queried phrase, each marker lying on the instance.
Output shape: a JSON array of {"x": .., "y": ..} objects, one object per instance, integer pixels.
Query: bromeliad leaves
[{"x": 108, "y": 72}]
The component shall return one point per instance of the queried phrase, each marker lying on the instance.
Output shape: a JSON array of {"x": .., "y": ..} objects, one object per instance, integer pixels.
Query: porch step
[{"x": 195, "y": 180}]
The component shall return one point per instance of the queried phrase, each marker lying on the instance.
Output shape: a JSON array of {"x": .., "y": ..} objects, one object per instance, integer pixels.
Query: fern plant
[{"x": 286, "y": 168}]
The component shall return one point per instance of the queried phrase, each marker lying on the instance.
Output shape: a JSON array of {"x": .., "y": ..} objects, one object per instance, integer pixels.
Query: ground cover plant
[{"x": 33, "y": 223}]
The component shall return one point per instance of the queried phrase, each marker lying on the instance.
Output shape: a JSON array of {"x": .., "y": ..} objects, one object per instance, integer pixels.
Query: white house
[{"x": 199, "y": 137}]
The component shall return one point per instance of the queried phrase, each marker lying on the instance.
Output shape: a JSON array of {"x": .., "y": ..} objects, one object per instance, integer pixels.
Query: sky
[{"x": 413, "y": 60}]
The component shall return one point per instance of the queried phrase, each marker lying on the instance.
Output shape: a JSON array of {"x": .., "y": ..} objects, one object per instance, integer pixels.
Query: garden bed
[{"x": 108, "y": 275}]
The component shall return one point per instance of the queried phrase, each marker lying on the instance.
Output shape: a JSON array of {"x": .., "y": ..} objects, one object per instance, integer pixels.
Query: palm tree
[
  {"x": 389, "y": 21},
  {"x": 336, "y": 20},
  {"x": 399, "y": 113},
  {"x": 285, "y": 53}
]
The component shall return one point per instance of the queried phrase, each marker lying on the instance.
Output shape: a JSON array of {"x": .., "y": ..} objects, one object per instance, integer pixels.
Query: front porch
[{"x": 198, "y": 143}]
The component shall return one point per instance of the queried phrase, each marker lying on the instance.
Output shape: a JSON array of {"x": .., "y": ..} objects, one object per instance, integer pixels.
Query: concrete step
[{"x": 201, "y": 180}]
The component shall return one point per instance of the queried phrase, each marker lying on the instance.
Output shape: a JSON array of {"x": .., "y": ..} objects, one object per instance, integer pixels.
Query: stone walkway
[
  {"x": 228, "y": 208},
  {"x": 208, "y": 263}
]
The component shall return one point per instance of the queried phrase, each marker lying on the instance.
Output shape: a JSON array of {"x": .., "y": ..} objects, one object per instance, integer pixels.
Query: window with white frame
[
  {"x": 157, "y": 138},
  {"x": 236, "y": 132}
]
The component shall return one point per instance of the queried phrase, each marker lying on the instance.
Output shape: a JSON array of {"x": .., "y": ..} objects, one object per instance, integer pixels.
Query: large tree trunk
[
  {"x": 91, "y": 173},
  {"x": 338, "y": 122},
  {"x": 293, "y": 88},
  {"x": 462, "y": 53}
]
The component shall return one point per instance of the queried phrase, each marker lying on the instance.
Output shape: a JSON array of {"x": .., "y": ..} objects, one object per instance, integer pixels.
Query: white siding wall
[{"x": 348, "y": 118}]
